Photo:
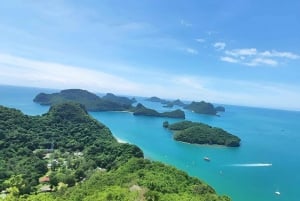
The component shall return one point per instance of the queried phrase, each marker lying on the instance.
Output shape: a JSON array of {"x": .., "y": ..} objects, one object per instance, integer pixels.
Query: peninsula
[
  {"x": 67, "y": 155},
  {"x": 199, "y": 133}
]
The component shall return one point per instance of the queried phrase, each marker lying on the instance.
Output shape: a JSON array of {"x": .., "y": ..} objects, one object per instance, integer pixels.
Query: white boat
[
  {"x": 206, "y": 158},
  {"x": 277, "y": 192}
]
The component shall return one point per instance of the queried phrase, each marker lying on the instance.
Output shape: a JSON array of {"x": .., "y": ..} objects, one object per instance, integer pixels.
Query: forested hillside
[{"x": 66, "y": 155}]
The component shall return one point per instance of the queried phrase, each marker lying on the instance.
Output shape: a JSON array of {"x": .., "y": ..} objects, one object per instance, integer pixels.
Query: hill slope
[{"x": 85, "y": 157}]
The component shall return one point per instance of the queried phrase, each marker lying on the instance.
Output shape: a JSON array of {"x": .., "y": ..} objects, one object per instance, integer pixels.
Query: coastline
[{"x": 205, "y": 145}]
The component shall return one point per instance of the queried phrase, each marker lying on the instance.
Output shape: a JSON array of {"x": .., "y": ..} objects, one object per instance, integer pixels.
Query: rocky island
[
  {"x": 65, "y": 155},
  {"x": 203, "y": 107},
  {"x": 109, "y": 102},
  {"x": 199, "y": 133},
  {"x": 166, "y": 103},
  {"x": 91, "y": 101},
  {"x": 142, "y": 110}
]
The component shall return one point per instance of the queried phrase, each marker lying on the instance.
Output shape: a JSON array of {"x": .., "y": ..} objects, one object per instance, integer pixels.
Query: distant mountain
[
  {"x": 166, "y": 103},
  {"x": 142, "y": 110},
  {"x": 204, "y": 108},
  {"x": 118, "y": 99},
  {"x": 199, "y": 133},
  {"x": 156, "y": 99},
  {"x": 109, "y": 102},
  {"x": 91, "y": 101},
  {"x": 220, "y": 109},
  {"x": 178, "y": 103}
]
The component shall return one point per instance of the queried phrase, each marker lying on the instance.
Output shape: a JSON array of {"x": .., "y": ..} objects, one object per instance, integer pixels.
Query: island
[
  {"x": 66, "y": 155},
  {"x": 203, "y": 107},
  {"x": 109, "y": 102},
  {"x": 118, "y": 99},
  {"x": 166, "y": 103},
  {"x": 177, "y": 102},
  {"x": 220, "y": 109},
  {"x": 91, "y": 101},
  {"x": 142, "y": 110},
  {"x": 199, "y": 133},
  {"x": 156, "y": 99}
]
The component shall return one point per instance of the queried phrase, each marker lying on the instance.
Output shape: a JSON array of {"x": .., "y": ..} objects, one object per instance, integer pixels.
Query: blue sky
[{"x": 234, "y": 52}]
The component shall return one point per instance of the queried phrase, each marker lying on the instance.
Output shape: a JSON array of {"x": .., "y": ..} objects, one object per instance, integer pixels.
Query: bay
[{"x": 267, "y": 161}]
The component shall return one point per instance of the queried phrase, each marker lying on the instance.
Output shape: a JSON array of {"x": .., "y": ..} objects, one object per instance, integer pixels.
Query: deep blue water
[{"x": 268, "y": 137}]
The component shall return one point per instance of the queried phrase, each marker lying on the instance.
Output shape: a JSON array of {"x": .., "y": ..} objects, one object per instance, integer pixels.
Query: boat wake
[{"x": 252, "y": 165}]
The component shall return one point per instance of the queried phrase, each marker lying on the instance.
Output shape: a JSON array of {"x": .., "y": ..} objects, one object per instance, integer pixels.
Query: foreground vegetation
[
  {"x": 138, "y": 179},
  {"x": 29, "y": 145},
  {"x": 199, "y": 133},
  {"x": 67, "y": 155}
]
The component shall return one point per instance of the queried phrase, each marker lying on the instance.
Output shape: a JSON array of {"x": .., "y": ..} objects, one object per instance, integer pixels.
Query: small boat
[
  {"x": 277, "y": 192},
  {"x": 206, "y": 159}
]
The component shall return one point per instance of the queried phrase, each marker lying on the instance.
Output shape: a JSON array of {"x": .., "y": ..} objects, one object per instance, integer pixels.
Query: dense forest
[
  {"x": 65, "y": 130},
  {"x": 67, "y": 155},
  {"x": 199, "y": 133}
]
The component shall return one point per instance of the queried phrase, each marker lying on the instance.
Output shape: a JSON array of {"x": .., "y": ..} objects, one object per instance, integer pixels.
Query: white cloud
[
  {"x": 191, "y": 51},
  {"x": 200, "y": 40},
  {"x": 260, "y": 61},
  {"x": 229, "y": 59},
  {"x": 241, "y": 52},
  {"x": 220, "y": 45},
  {"x": 253, "y": 57},
  {"x": 26, "y": 72},
  {"x": 288, "y": 55}
]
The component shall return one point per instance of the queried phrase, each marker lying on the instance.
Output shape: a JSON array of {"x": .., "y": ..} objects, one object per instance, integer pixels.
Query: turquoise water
[{"x": 268, "y": 137}]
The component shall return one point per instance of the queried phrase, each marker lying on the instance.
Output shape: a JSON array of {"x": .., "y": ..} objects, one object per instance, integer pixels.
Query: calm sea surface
[{"x": 267, "y": 161}]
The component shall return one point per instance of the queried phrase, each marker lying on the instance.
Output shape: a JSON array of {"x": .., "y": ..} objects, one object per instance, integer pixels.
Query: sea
[{"x": 268, "y": 160}]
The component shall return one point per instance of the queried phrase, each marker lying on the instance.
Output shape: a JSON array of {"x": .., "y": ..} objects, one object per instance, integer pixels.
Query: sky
[{"x": 240, "y": 52}]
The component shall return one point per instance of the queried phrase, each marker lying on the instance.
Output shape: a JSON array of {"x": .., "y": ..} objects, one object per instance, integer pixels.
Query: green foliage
[
  {"x": 64, "y": 130},
  {"x": 138, "y": 179},
  {"x": 199, "y": 133},
  {"x": 78, "y": 149}
]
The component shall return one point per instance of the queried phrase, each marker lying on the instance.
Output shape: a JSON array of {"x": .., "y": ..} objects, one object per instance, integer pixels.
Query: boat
[
  {"x": 206, "y": 159},
  {"x": 277, "y": 192}
]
